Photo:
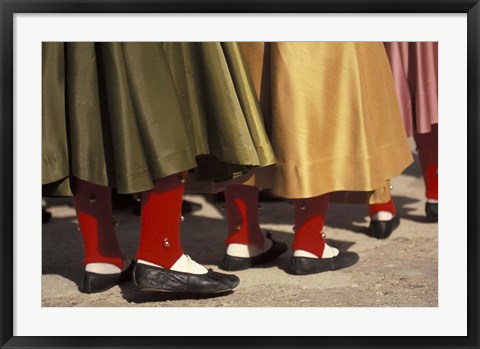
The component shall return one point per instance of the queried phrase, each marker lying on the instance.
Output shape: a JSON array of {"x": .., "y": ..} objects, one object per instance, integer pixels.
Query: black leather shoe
[
  {"x": 231, "y": 263},
  {"x": 94, "y": 282},
  {"x": 383, "y": 229},
  {"x": 46, "y": 216},
  {"x": 151, "y": 278},
  {"x": 306, "y": 266},
  {"x": 431, "y": 210}
]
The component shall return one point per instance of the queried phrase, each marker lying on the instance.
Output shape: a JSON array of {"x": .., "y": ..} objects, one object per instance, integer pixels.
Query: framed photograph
[{"x": 203, "y": 142}]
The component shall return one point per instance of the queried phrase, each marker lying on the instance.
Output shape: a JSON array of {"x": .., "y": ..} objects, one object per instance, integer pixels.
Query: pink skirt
[{"x": 415, "y": 71}]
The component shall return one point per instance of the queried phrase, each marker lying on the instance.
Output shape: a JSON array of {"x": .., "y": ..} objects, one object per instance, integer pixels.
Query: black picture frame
[{"x": 10, "y": 7}]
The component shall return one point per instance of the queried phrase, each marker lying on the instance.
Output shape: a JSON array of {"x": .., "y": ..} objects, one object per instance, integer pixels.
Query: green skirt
[{"x": 125, "y": 114}]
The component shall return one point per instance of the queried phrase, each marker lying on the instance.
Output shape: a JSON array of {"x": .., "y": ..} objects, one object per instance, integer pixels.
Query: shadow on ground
[
  {"x": 132, "y": 294},
  {"x": 203, "y": 237}
]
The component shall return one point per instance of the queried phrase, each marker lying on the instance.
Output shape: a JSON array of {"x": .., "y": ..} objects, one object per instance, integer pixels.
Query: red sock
[
  {"x": 309, "y": 220},
  {"x": 242, "y": 214},
  {"x": 160, "y": 227},
  {"x": 388, "y": 206},
  {"x": 431, "y": 182},
  {"x": 93, "y": 204},
  {"x": 427, "y": 144}
]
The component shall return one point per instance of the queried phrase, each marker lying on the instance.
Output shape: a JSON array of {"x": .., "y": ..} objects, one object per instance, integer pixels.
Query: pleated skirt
[
  {"x": 125, "y": 114},
  {"x": 333, "y": 119},
  {"x": 415, "y": 71}
]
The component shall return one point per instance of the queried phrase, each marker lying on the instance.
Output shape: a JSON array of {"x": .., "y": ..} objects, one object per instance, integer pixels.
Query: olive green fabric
[
  {"x": 222, "y": 101},
  {"x": 122, "y": 114},
  {"x": 55, "y": 164}
]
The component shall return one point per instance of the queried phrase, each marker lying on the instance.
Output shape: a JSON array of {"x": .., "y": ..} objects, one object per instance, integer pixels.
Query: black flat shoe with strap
[
  {"x": 231, "y": 263},
  {"x": 307, "y": 266},
  {"x": 383, "y": 229},
  {"x": 152, "y": 278},
  {"x": 431, "y": 210},
  {"x": 46, "y": 216},
  {"x": 95, "y": 282}
]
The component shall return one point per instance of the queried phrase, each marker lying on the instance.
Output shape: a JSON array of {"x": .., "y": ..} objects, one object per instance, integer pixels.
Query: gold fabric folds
[
  {"x": 120, "y": 115},
  {"x": 333, "y": 119}
]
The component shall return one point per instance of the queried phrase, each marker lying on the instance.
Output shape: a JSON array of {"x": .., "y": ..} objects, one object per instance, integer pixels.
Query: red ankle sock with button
[
  {"x": 242, "y": 216},
  {"x": 93, "y": 204},
  {"x": 388, "y": 207},
  {"x": 427, "y": 144},
  {"x": 160, "y": 225},
  {"x": 309, "y": 221}
]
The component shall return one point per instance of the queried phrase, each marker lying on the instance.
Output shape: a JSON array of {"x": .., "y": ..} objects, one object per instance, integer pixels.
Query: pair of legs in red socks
[
  {"x": 246, "y": 240},
  {"x": 160, "y": 227},
  {"x": 427, "y": 146},
  {"x": 160, "y": 246}
]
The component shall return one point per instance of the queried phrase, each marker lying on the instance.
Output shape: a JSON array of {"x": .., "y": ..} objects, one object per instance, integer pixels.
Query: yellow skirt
[{"x": 332, "y": 116}]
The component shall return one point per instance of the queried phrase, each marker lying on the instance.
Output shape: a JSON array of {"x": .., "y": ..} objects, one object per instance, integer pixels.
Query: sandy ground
[{"x": 398, "y": 272}]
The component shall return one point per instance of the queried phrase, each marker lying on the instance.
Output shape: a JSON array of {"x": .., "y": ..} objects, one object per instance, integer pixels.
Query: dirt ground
[{"x": 398, "y": 272}]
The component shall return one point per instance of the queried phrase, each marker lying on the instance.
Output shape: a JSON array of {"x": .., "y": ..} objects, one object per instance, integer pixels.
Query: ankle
[
  {"x": 242, "y": 216},
  {"x": 328, "y": 252},
  {"x": 251, "y": 236},
  {"x": 107, "y": 267},
  {"x": 382, "y": 216},
  {"x": 183, "y": 264},
  {"x": 102, "y": 268},
  {"x": 248, "y": 250},
  {"x": 382, "y": 212}
]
